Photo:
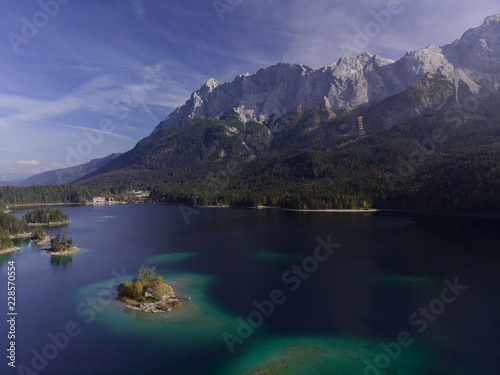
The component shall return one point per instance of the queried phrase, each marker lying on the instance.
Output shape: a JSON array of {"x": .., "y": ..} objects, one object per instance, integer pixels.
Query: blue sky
[{"x": 81, "y": 79}]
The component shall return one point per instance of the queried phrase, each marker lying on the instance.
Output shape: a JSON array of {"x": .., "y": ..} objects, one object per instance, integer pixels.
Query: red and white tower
[{"x": 361, "y": 127}]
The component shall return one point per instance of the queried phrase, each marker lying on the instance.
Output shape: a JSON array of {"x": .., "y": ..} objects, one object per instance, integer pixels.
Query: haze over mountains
[{"x": 62, "y": 176}]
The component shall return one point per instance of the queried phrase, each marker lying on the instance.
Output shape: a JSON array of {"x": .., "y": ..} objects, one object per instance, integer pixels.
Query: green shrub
[
  {"x": 126, "y": 290},
  {"x": 138, "y": 288},
  {"x": 176, "y": 304}
]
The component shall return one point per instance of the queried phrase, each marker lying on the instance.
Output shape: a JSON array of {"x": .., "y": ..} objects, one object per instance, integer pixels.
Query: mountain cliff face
[{"x": 351, "y": 82}]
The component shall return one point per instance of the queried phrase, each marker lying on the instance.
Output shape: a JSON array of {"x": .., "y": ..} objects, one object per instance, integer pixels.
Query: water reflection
[
  {"x": 57, "y": 260},
  {"x": 4, "y": 258}
]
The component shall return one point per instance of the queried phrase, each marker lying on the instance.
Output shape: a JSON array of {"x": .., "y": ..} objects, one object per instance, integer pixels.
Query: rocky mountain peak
[
  {"x": 209, "y": 86},
  {"x": 351, "y": 82}
]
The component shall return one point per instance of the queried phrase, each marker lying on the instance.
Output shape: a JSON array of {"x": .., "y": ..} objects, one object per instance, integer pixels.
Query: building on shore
[
  {"x": 103, "y": 200},
  {"x": 99, "y": 200}
]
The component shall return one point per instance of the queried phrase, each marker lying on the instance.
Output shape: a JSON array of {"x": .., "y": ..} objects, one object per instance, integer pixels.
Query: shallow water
[{"x": 332, "y": 317}]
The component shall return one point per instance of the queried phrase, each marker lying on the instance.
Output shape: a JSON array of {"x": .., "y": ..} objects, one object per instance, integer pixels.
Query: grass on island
[{"x": 148, "y": 292}]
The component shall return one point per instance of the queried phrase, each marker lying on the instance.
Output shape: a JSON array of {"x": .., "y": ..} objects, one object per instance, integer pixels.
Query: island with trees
[
  {"x": 46, "y": 216},
  {"x": 39, "y": 236},
  {"x": 148, "y": 293},
  {"x": 11, "y": 228},
  {"x": 62, "y": 245}
]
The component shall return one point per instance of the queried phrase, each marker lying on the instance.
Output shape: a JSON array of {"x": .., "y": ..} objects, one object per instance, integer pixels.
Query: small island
[
  {"x": 39, "y": 236},
  {"x": 62, "y": 245},
  {"x": 46, "y": 216},
  {"x": 148, "y": 293}
]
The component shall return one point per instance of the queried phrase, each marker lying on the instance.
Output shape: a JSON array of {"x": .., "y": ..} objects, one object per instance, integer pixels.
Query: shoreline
[
  {"x": 42, "y": 204},
  {"x": 141, "y": 309},
  {"x": 329, "y": 210},
  {"x": 371, "y": 210},
  {"x": 164, "y": 305},
  {"x": 43, "y": 241},
  {"x": 270, "y": 208},
  {"x": 50, "y": 224},
  {"x": 20, "y": 236},
  {"x": 74, "y": 250},
  {"x": 290, "y": 209},
  {"x": 9, "y": 250}
]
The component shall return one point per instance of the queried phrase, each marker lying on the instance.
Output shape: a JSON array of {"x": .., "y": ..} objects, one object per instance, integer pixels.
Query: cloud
[{"x": 28, "y": 162}]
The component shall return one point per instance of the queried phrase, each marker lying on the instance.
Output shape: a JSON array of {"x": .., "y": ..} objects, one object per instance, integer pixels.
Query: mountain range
[
  {"x": 288, "y": 135},
  {"x": 65, "y": 175},
  {"x": 350, "y": 83}
]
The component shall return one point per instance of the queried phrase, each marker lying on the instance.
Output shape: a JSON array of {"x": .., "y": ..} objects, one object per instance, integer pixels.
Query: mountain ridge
[
  {"x": 66, "y": 175},
  {"x": 347, "y": 84},
  {"x": 314, "y": 157}
]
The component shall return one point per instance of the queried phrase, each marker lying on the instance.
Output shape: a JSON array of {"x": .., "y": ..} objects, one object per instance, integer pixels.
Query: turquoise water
[{"x": 252, "y": 310}]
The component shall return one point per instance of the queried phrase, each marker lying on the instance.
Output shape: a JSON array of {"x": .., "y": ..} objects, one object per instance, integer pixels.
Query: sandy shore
[
  {"x": 290, "y": 209},
  {"x": 360, "y": 210}
]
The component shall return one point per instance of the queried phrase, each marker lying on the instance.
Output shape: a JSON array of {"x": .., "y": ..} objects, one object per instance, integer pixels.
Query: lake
[{"x": 272, "y": 292}]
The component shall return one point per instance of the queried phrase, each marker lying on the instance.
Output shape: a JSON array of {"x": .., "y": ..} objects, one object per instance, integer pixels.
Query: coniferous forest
[{"x": 445, "y": 161}]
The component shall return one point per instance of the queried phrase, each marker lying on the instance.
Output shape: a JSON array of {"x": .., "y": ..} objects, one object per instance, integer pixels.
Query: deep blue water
[{"x": 334, "y": 313}]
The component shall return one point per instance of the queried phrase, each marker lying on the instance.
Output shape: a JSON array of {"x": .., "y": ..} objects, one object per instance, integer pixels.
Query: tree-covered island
[
  {"x": 62, "y": 245},
  {"x": 148, "y": 293},
  {"x": 39, "y": 236},
  {"x": 11, "y": 228},
  {"x": 46, "y": 216}
]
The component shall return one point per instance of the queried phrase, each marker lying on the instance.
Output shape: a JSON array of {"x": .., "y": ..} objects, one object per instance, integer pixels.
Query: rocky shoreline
[
  {"x": 152, "y": 307},
  {"x": 168, "y": 302},
  {"x": 50, "y": 224},
  {"x": 21, "y": 235},
  {"x": 43, "y": 241},
  {"x": 9, "y": 250},
  {"x": 73, "y": 250}
]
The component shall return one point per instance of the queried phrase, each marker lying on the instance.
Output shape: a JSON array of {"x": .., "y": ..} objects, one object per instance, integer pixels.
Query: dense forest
[
  {"x": 445, "y": 161},
  {"x": 442, "y": 161},
  {"x": 10, "y": 225},
  {"x": 11, "y": 195}
]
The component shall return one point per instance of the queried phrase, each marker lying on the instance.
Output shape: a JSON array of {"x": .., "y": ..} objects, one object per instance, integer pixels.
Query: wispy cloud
[
  {"x": 71, "y": 75},
  {"x": 28, "y": 162}
]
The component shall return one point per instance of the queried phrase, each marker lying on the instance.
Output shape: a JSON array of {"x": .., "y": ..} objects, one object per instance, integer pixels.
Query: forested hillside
[
  {"x": 444, "y": 161},
  {"x": 50, "y": 194}
]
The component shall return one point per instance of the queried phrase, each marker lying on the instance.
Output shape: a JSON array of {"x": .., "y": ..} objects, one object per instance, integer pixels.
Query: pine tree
[{"x": 64, "y": 239}]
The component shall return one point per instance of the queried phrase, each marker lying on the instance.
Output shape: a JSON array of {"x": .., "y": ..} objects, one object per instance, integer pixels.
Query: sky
[{"x": 81, "y": 79}]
